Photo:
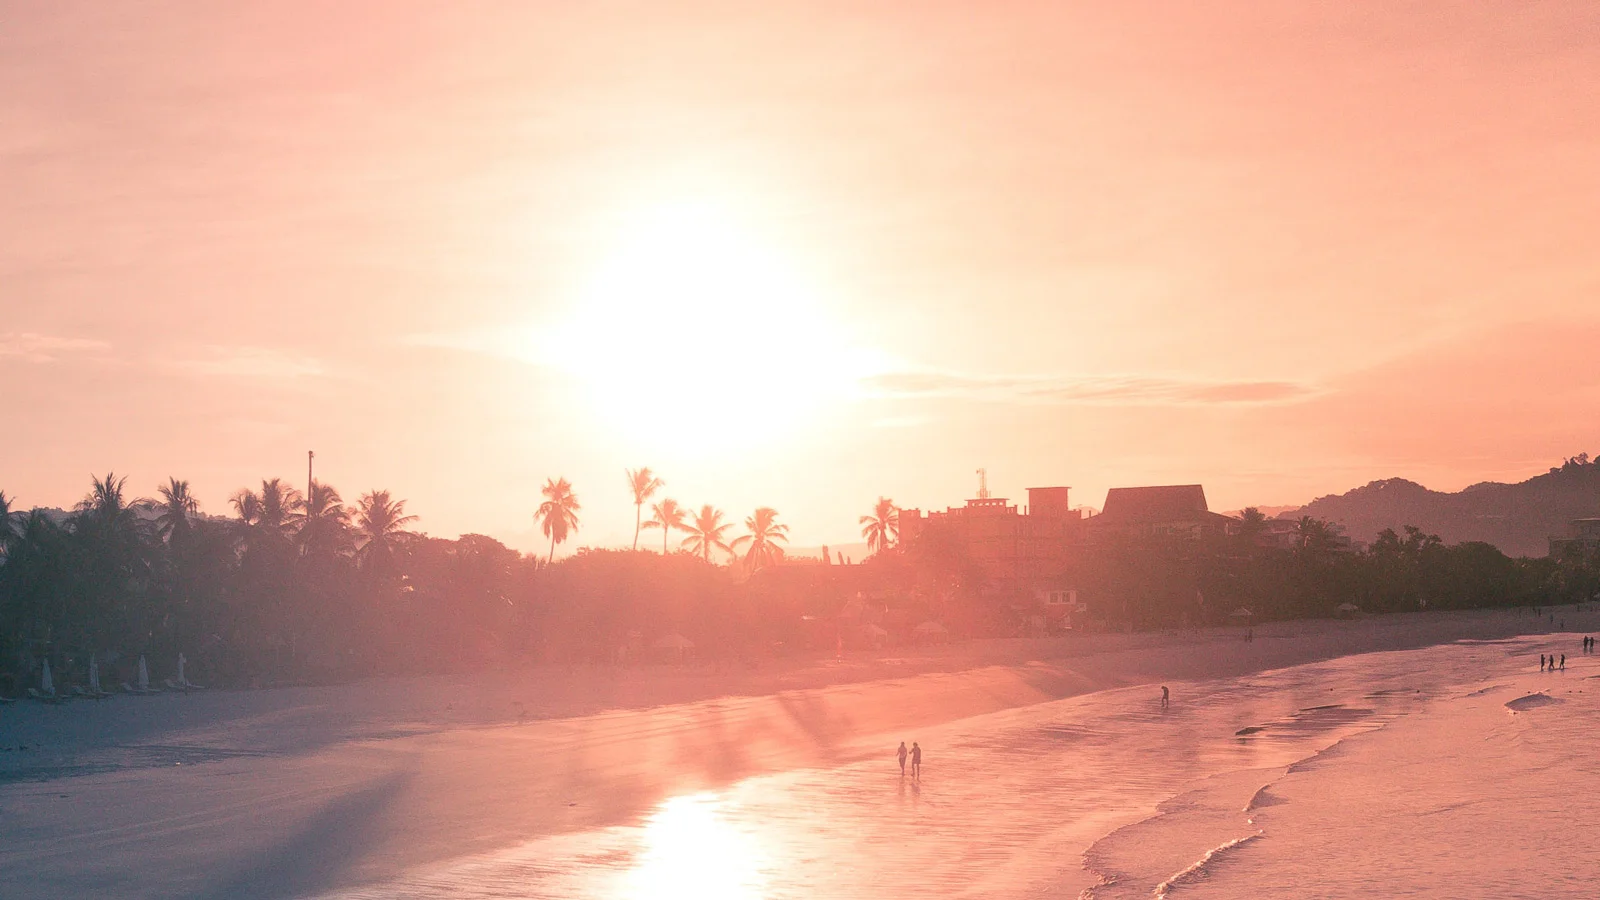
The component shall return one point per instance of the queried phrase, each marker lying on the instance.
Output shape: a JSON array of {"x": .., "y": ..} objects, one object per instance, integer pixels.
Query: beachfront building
[
  {"x": 1169, "y": 511},
  {"x": 1583, "y": 537},
  {"x": 1016, "y": 549}
]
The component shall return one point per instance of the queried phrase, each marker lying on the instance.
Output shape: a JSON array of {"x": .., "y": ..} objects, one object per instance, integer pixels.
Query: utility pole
[
  {"x": 983, "y": 484},
  {"x": 310, "y": 455}
]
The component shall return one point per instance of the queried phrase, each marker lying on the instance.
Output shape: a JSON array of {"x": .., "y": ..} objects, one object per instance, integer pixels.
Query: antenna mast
[{"x": 983, "y": 484}]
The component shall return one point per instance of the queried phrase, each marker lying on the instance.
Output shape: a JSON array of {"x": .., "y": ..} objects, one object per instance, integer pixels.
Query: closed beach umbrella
[
  {"x": 144, "y": 675},
  {"x": 94, "y": 675},
  {"x": 181, "y": 661},
  {"x": 46, "y": 683}
]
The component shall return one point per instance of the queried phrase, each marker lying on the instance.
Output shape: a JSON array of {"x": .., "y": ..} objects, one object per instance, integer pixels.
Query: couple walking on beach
[{"x": 916, "y": 759}]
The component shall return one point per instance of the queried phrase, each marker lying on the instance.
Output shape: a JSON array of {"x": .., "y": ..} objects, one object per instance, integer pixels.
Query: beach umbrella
[
  {"x": 94, "y": 675},
  {"x": 144, "y": 674},
  {"x": 47, "y": 685},
  {"x": 874, "y": 631},
  {"x": 1349, "y": 608},
  {"x": 1241, "y": 613}
]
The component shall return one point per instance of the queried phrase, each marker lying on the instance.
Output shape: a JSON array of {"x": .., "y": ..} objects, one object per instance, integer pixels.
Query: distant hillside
[{"x": 1517, "y": 518}]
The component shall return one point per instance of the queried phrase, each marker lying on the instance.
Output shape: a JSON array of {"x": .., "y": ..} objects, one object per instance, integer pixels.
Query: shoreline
[
  {"x": 408, "y": 780},
  {"x": 1453, "y": 799}
]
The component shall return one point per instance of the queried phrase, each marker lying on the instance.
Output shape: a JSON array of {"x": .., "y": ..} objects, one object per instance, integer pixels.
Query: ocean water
[{"x": 1279, "y": 784}]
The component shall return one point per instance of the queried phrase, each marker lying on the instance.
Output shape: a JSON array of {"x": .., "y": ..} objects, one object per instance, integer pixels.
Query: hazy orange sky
[{"x": 795, "y": 254}]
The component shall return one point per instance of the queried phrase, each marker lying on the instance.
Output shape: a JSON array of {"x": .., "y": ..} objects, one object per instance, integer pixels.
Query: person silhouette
[
  {"x": 916, "y": 760},
  {"x": 1541, "y": 662},
  {"x": 901, "y": 753},
  {"x": 1165, "y": 696},
  {"x": 1563, "y": 662}
]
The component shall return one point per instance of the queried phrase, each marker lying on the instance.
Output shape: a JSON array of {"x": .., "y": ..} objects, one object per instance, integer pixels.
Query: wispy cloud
[
  {"x": 1144, "y": 390},
  {"x": 32, "y": 347},
  {"x": 254, "y": 362}
]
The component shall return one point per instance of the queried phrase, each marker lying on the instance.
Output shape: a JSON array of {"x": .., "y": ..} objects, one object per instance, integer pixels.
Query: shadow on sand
[{"x": 314, "y": 858}]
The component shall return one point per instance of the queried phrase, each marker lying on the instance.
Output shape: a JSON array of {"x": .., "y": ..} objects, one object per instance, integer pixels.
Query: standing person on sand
[
  {"x": 1165, "y": 696},
  {"x": 1541, "y": 662},
  {"x": 902, "y": 754},
  {"x": 1563, "y": 662},
  {"x": 916, "y": 760}
]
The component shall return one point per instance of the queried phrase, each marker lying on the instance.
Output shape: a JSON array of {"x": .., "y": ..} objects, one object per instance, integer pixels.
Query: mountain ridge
[{"x": 1518, "y": 518}]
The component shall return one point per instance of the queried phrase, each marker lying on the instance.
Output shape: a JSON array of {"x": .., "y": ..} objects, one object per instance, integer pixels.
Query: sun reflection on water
[{"x": 691, "y": 849}]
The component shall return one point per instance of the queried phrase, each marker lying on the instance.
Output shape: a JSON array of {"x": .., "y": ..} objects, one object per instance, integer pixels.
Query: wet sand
[{"x": 304, "y": 791}]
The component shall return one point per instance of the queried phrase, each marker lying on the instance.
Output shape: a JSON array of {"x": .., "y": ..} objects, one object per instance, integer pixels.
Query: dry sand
[{"x": 291, "y": 791}]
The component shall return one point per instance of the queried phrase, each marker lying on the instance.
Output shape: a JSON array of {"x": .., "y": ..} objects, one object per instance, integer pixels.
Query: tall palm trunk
[
  {"x": 638, "y": 514},
  {"x": 665, "y": 530},
  {"x": 552, "y": 558}
]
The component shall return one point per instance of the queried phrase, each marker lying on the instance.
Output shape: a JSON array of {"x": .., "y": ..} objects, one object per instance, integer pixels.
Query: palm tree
[
  {"x": 11, "y": 523},
  {"x": 380, "y": 526},
  {"x": 558, "y": 514},
  {"x": 1252, "y": 524},
  {"x": 706, "y": 532},
  {"x": 667, "y": 516},
  {"x": 1314, "y": 536},
  {"x": 644, "y": 485},
  {"x": 105, "y": 505},
  {"x": 176, "y": 507},
  {"x": 322, "y": 524},
  {"x": 763, "y": 539},
  {"x": 269, "y": 510},
  {"x": 882, "y": 528}
]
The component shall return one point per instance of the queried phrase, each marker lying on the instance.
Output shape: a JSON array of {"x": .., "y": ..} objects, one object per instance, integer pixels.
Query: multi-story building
[
  {"x": 1583, "y": 537},
  {"x": 1015, "y": 548}
]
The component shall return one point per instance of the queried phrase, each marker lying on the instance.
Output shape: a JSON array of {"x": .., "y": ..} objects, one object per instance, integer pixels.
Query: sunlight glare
[
  {"x": 693, "y": 335},
  {"x": 691, "y": 850}
]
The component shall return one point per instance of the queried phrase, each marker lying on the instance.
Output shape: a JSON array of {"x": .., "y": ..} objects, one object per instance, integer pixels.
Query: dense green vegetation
[{"x": 294, "y": 588}]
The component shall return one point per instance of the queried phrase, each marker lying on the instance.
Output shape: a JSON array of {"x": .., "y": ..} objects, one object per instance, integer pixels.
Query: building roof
[{"x": 1153, "y": 505}]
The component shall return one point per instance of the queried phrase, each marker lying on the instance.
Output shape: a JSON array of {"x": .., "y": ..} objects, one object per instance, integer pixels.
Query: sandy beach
[{"x": 449, "y": 786}]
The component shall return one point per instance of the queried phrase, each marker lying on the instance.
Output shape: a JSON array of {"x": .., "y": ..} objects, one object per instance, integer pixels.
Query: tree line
[{"x": 292, "y": 587}]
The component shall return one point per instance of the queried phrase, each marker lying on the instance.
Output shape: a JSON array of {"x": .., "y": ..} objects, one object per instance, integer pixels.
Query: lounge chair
[
  {"x": 87, "y": 694},
  {"x": 47, "y": 698},
  {"x": 8, "y": 700},
  {"x": 130, "y": 689}
]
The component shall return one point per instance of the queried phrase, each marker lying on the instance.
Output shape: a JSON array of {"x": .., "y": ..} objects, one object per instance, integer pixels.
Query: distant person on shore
[
  {"x": 916, "y": 760},
  {"x": 1563, "y": 662},
  {"x": 1165, "y": 696},
  {"x": 902, "y": 754},
  {"x": 1541, "y": 662}
]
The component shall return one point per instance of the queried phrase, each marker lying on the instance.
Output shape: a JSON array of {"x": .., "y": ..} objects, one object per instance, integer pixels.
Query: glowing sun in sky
[{"x": 694, "y": 333}]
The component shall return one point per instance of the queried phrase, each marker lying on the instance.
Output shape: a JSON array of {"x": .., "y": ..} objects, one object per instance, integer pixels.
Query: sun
[{"x": 694, "y": 334}]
